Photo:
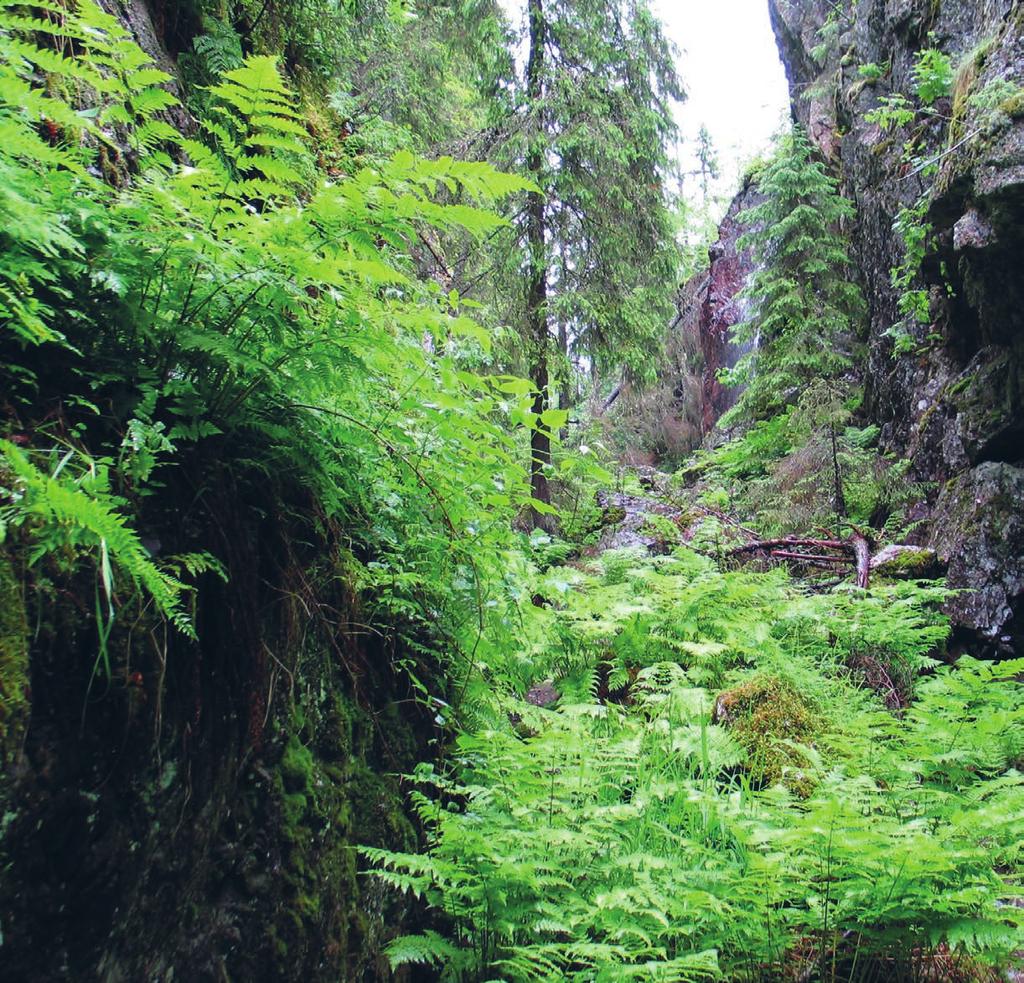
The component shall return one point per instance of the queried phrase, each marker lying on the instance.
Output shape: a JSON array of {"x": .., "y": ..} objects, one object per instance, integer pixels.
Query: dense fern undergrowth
[
  {"x": 719, "y": 793},
  {"x": 730, "y": 773}
]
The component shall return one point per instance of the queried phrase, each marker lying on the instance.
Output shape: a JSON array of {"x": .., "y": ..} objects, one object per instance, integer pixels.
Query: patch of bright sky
[
  {"x": 735, "y": 83},
  {"x": 734, "y": 80}
]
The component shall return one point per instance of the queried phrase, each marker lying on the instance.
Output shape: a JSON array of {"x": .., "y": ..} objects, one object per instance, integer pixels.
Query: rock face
[
  {"x": 723, "y": 307},
  {"x": 952, "y": 398},
  {"x": 979, "y": 532},
  {"x": 711, "y": 305}
]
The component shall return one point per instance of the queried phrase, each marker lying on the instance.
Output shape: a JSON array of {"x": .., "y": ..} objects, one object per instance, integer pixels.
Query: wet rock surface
[{"x": 979, "y": 532}]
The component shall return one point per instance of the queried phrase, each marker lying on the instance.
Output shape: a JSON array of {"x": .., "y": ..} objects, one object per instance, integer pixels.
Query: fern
[
  {"x": 430, "y": 948},
  {"x": 58, "y": 512},
  {"x": 637, "y": 840}
]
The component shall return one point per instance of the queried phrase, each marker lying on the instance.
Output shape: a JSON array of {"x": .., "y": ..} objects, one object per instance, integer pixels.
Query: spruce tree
[
  {"x": 805, "y": 306},
  {"x": 592, "y": 129}
]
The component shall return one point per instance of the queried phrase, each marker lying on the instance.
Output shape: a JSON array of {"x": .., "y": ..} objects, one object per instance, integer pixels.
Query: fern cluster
[
  {"x": 218, "y": 289},
  {"x": 634, "y": 832}
]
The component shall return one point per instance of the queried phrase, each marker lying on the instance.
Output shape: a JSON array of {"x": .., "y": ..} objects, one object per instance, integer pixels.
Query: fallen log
[
  {"x": 771, "y": 544},
  {"x": 857, "y": 550},
  {"x": 811, "y": 557}
]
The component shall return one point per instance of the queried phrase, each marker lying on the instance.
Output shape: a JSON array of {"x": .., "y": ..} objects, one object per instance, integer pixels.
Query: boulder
[
  {"x": 905, "y": 562},
  {"x": 979, "y": 533}
]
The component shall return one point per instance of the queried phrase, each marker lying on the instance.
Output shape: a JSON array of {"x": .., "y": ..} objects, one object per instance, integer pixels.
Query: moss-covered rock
[
  {"x": 905, "y": 562},
  {"x": 979, "y": 532},
  {"x": 764, "y": 713}
]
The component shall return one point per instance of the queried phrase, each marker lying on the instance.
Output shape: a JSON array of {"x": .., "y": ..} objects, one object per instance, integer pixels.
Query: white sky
[
  {"x": 732, "y": 74},
  {"x": 734, "y": 80}
]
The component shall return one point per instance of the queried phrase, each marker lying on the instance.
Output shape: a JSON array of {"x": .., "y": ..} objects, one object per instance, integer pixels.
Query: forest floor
[{"x": 693, "y": 766}]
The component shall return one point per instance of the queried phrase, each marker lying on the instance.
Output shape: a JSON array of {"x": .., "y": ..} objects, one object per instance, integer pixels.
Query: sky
[
  {"x": 732, "y": 74},
  {"x": 735, "y": 82}
]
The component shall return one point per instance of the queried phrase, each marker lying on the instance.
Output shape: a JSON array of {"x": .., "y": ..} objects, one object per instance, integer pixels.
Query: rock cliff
[
  {"x": 947, "y": 389},
  {"x": 715, "y": 306}
]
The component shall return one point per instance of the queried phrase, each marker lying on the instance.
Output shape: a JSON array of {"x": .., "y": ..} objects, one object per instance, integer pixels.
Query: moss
[
  {"x": 380, "y": 816},
  {"x": 912, "y": 562},
  {"x": 335, "y": 742},
  {"x": 883, "y": 146},
  {"x": 332, "y": 797},
  {"x": 296, "y": 766},
  {"x": 961, "y": 385},
  {"x": 764, "y": 713},
  {"x": 14, "y": 684},
  {"x": 1014, "y": 106},
  {"x": 908, "y": 564}
]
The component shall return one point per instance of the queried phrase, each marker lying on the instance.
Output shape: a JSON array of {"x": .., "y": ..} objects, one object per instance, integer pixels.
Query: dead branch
[{"x": 857, "y": 550}]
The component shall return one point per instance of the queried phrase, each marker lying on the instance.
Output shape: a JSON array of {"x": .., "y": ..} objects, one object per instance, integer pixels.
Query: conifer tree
[
  {"x": 805, "y": 305},
  {"x": 592, "y": 129}
]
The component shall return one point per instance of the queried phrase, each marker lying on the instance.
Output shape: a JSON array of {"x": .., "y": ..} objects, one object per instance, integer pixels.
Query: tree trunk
[
  {"x": 565, "y": 397},
  {"x": 537, "y": 276},
  {"x": 837, "y": 477}
]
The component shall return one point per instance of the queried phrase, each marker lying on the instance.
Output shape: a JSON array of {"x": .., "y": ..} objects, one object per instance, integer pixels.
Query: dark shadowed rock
[{"x": 979, "y": 532}]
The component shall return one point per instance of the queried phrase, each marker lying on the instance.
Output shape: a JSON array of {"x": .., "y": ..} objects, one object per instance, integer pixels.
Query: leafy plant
[
  {"x": 75, "y": 517},
  {"x": 656, "y": 830},
  {"x": 933, "y": 75}
]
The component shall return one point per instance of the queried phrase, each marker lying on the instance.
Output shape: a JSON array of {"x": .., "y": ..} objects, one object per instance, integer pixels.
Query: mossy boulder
[
  {"x": 905, "y": 562},
  {"x": 765, "y": 713}
]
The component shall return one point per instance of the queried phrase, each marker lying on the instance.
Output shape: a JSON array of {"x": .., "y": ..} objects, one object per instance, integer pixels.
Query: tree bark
[
  {"x": 537, "y": 277},
  {"x": 837, "y": 477},
  {"x": 862, "y": 551}
]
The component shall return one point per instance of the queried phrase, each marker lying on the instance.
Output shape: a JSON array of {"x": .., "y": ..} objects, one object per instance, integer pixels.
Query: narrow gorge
[{"x": 437, "y": 544}]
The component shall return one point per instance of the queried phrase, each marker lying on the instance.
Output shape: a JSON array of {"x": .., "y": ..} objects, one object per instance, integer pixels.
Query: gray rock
[
  {"x": 979, "y": 533},
  {"x": 954, "y": 404},
  {"x": 972, "y": 232},
  {"x": 626, "y": 521},
  {"x": 988, "y": 401},
  {"x": 543, "y": 694},
  {"x": 904, "y": 561}
]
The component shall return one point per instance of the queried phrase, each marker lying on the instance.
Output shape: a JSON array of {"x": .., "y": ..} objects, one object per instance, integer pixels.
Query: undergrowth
[
  {"x": 720, "y": 791},
  {"x": 718, "y": 795}
]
